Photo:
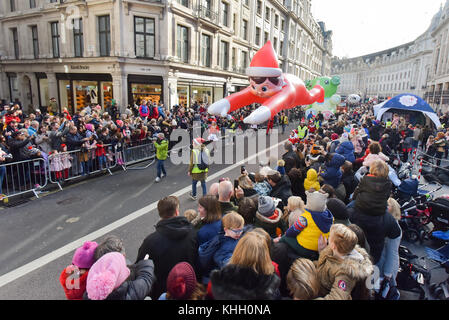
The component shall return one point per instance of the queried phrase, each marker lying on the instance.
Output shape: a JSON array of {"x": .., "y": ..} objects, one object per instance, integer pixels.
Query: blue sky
[{"x": 365, "y": 26}]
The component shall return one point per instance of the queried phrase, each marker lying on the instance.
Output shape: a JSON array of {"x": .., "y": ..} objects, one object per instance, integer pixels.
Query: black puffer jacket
[
  {"x": 376, "y": 229},
  {"x": 237, "y": 283},
  {"x": 282, "y": 190},
  {"x": 371, "y": 195},
  {"x": 174, "y": 241},
  {"x": 137, "y": 286}
]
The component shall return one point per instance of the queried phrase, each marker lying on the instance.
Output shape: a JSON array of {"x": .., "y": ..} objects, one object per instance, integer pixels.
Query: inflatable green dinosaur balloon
[{"x": 331, "y": 98}]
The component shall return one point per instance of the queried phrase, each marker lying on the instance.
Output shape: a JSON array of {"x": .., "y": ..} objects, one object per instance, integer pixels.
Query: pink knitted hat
[
  {"x": 107, "y": 274},
  {"x": 84, "y": 256},
  {"x": 90, "y": 127}
]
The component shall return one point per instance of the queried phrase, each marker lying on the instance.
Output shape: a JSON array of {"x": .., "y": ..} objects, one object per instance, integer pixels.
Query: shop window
[
  {"x": 183, "y": 95},
  {"x": 65, "y": 94},
  {"x": 107, "y": 93},
  {"x": 148, "y": 92},
  {"x": 86, "y": 92},
  {"x": 202, "y": 95},
  {"x": 43, "y": 89}
]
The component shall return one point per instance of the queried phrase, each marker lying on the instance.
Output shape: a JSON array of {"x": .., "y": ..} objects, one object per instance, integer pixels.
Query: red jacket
[{"x": 76, "y": 293}]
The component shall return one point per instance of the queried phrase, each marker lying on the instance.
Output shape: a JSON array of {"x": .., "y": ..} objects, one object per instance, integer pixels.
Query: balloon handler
[{"x": 274, "y": 90}]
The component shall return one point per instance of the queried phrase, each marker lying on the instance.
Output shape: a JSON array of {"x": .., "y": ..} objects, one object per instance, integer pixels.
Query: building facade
[
  {"x": 175, "y": 52},
  {"x": 437, "y": 94},
  {"x": 402, "y": 69}
]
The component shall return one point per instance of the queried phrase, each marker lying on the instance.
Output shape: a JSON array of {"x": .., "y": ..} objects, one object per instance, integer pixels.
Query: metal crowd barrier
[
  {"x": 22, "y": 177},
  {"x": 66, "y": 166},
  {"x": 143, "y": 151}
]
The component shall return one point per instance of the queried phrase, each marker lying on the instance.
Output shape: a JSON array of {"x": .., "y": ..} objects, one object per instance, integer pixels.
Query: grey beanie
[{"x": 266, "y": 206}]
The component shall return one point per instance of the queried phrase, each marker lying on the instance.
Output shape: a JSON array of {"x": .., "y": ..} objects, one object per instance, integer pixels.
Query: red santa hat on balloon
[{"x": 264, "y": 63}]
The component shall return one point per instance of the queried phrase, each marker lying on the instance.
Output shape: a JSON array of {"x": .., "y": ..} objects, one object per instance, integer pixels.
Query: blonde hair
[
  {"x": 232, "y": 220},
  {"x": 253, "y": 253},
  {"x": 294, "y": 204},
  {"x": 379, "y": 169},
  {"x": 343, "y": 238},
  {"x": 394, "y": 208},
  {"x": 245, "y": 182},
  {"x": 302, "y": 280},
  {"x": 190, "y": 215},
  {"x": 281, "y": 163}
]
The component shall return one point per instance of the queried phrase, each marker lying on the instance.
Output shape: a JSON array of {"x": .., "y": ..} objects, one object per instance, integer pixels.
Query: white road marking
[{"x": 40, "y": 262}]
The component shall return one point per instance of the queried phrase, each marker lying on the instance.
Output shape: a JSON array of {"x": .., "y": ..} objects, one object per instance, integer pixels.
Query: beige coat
[{"x": 340, "y": 277}]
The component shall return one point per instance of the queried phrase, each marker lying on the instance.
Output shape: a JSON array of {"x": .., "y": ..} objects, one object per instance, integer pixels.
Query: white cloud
[{"x": 366, "y": 26}]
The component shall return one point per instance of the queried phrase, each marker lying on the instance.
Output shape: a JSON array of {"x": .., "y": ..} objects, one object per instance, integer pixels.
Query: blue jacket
[
  {"x": 346, "y": 149},
  {"x": 208, "y": 231},
  {"x": 333, "y": 174},
  {"x": 161, "y": 111},
  {"x": 215, "y": 253}
]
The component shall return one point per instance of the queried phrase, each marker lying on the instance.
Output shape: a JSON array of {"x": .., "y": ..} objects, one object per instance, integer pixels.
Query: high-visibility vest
[
  {"x": 388, "y": 124},
  {"x": 317, "y": 124},
  {"x": 197, "y": 160},
  {"x": 302, "y": 132}
]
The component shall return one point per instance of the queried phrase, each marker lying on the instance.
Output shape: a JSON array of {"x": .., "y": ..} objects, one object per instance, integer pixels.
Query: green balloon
[{"x": 330, "y": 85}]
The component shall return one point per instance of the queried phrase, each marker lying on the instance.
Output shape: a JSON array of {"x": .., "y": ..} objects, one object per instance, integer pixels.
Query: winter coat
[
  {"x": 161, "y": 149},
  {"x": 74, "y": 141},
  {"x": 263, "y": 188},
  {"x": 274, "y": 225},
  {"x": 333, "y": 146},
  {"x": 76, "y": 292},
  {"x": 42, "y": 143},
  {"x": 144, "y": 111},
  {"x": 282, "y": 190},
  {"x": 291, "y": 161},
  {"x": 216, "y": 253},
  {"x": 227, "y": 207},
  {"x": 376, "y": 229},
  {"x": 332, "y": 175},
  {"x": 56, "y": 163},
  {"x": 311, "y": 181},
  {"x": 137, "y": 286},
  {"x": 346, "y": 149},
  {"x": 19, "y": 149},
  {"x": 174, "y": 241},
  {"x": 339, "y": 277},
  {"x": 240, "y": 283},
  {"x": 208, "y": 231},
  {"x": 371, "y": 195},
  {"x": 66, "y": 160},
  {"x": 350, "y": 184}
]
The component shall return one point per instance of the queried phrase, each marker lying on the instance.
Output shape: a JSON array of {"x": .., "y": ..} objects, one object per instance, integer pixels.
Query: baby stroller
[
  {"x": 439, "y": 215},
  {"x": 440, "y": 256},
  {"x": 411, "y": 276}
]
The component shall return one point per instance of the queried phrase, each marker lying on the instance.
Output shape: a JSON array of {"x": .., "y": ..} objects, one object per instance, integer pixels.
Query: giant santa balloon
[{"x": 271, "y": 88}]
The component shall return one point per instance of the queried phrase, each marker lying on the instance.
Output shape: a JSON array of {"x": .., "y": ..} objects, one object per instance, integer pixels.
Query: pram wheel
[{"x": 411, "y": 235}]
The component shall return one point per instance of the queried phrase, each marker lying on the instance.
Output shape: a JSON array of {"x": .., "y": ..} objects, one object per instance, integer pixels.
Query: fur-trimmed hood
[
  {"x": 353, "y": 269},
  {"x": 237, "y": 283},
  {"x": 274, "y": 219}
]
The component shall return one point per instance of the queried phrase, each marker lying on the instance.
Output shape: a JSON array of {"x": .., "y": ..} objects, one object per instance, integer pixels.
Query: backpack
[
  {"x": 204, "y": 161},
  {"x": 144, "y": 109}
]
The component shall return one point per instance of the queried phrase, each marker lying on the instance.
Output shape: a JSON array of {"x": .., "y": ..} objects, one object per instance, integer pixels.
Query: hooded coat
[
  {"x": 137, "y": 286},
  {"x": 333, "y": 174},
  {"x": 341, "y": 279},
  {"x": 239, "y": 283},
  {"x": 311, "y": 181},
  {"x": 282, "y": 190},
  {"x": 346, "y": 149},
  {"x": 274, "y": 225},
  {"x": 174, "y": 241}
]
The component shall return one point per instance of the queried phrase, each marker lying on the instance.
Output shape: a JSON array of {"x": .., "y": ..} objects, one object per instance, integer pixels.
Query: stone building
[
  {"x": 175, "y": 52},
  {"x": 402, "y": 69}
]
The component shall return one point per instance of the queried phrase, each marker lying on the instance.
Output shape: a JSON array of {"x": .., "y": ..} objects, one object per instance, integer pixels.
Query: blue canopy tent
[{"x": 409, "y": 102}]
